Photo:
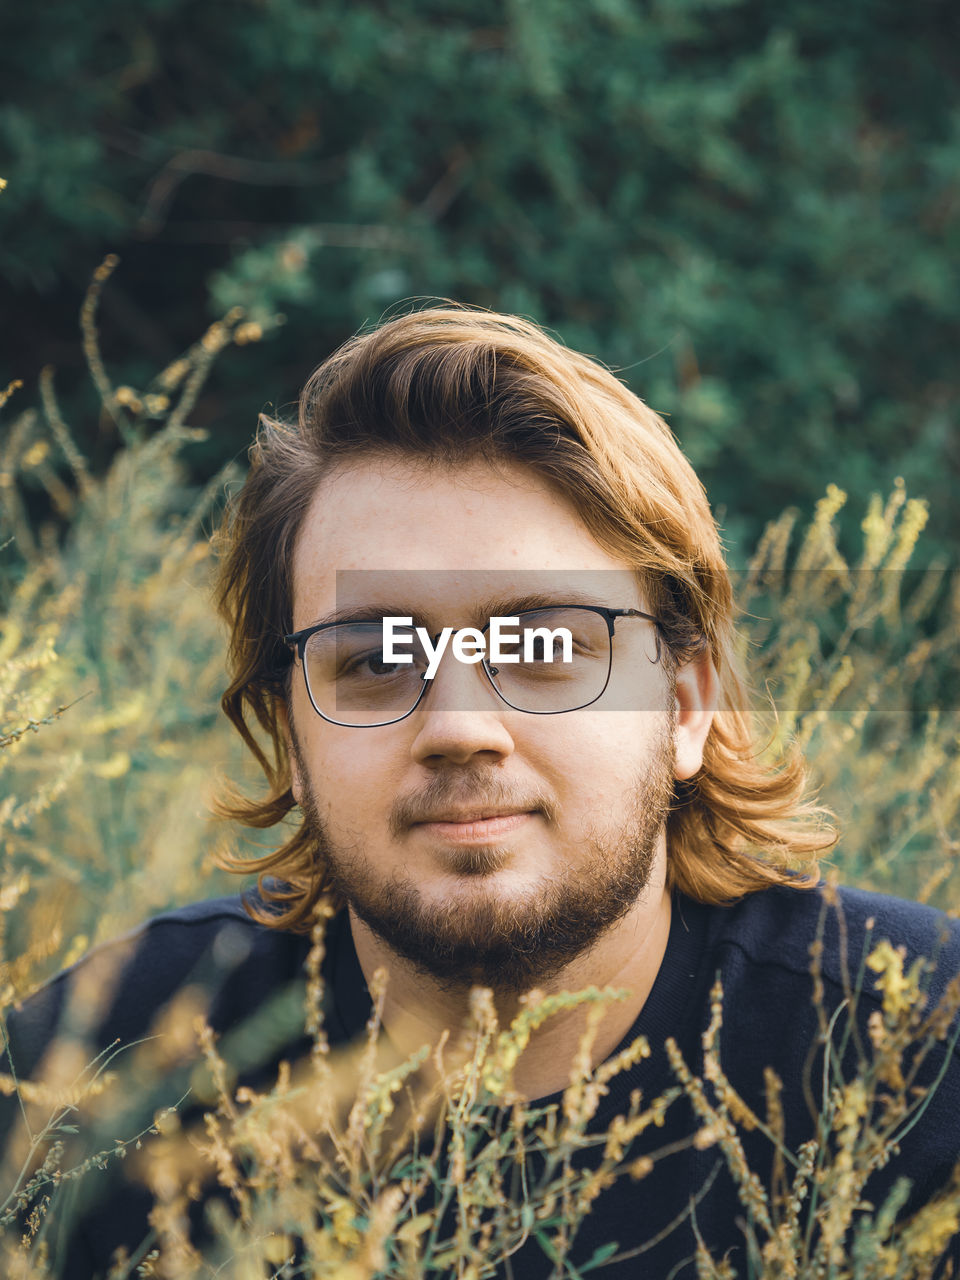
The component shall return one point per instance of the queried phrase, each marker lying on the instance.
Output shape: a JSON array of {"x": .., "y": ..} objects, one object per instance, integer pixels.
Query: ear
[
  {"x": 283, "y": 720},
  {"x": 698, "y": 689}
]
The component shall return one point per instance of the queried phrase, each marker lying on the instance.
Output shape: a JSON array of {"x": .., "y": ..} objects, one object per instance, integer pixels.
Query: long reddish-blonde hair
[{"x": 451, "y": 384}]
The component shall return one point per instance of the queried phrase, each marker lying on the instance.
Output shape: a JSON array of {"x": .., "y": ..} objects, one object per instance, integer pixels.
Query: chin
[{"x": 499, "y": 930}]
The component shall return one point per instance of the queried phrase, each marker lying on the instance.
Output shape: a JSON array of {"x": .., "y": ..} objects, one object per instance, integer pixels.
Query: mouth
[{"x": 475, "y": 826}]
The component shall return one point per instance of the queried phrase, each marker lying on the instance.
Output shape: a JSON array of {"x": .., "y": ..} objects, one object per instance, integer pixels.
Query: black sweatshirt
[{"x": 249, "y": 977}]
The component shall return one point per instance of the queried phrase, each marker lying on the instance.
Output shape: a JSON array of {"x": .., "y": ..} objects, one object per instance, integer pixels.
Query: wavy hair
[{"x": 451, "y": 384}]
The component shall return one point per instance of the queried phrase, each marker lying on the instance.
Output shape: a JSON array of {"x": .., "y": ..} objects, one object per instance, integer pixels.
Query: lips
[
  {"x": 473, "y": 807},
  {"x": 470, "y": 815},
  {"x": 475, "y": 826}
]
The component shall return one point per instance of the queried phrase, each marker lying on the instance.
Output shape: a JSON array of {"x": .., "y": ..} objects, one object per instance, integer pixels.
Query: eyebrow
[{"x": 504, "y": 606}]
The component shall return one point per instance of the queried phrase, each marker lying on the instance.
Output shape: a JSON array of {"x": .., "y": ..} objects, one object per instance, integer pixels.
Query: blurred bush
[{"x": 750, "y": 209}]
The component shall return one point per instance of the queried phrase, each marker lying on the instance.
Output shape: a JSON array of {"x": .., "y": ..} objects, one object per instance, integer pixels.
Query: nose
[{"x": 461, "y": 718}]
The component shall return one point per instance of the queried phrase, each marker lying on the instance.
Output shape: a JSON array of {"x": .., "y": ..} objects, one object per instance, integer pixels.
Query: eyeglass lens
[{"x": 351, "y": 683}]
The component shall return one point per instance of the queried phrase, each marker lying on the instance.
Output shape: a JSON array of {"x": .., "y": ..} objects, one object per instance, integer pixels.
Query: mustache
[{"x": 474, "y": 788}]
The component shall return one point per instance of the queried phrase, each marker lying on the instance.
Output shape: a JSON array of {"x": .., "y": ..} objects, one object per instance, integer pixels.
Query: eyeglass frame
[{"x": 297, "y": 640}]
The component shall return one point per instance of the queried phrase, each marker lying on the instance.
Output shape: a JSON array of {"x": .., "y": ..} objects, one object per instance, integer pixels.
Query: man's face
[{"x": 480, "y": 842}]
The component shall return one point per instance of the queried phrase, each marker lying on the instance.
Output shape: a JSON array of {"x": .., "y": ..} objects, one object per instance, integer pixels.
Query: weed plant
[{"x": 110, "y": 673}]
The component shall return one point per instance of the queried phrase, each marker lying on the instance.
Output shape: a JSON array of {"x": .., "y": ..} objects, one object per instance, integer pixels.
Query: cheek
[
  {"x": 600, "y": 756},
  {"x": 353, "y": 782}
]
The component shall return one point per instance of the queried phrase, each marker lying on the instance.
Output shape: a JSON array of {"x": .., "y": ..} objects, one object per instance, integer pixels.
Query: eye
[
  {"x": 371, "y": 663},
  {"x": 540, "y": 652}
]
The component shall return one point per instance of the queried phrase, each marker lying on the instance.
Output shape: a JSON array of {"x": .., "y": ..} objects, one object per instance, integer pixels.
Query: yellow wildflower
[
  {"x": 12, "y": 892},
  {"x": 36, "y": 453},
  {"x": 249, "y": 332},
  {"x": 128, "y": 398},
  {"x": 851, "y": 1106},
  {"x": 216, "y": 338},
  {"x": 706, "y": 1137},
  {"x": 344, "y": 1221},
  {"x": 78, "y": 947},
  {"x": 277, "y": 1249},
  {"x": 13, "y": 386},
  {"x": 931, "y": 1229},
  {"x": 899, "y": 991},
  {"x": 174, "y": 374},
  {"x": 116, "y": 767}
]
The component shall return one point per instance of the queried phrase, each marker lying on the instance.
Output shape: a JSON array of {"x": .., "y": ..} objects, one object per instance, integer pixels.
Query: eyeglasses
[{"x": 350, "y": 683}]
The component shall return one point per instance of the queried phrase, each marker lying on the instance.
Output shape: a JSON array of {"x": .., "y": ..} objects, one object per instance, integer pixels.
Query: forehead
[{"x": 447, "y": 528}]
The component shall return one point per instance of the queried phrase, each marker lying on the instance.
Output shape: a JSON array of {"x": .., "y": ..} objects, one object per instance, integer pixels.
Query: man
[{"x": 589, "y": 812}]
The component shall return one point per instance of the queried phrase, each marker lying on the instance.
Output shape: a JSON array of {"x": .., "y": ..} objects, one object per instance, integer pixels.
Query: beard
[{"x": 483, "y": 939}]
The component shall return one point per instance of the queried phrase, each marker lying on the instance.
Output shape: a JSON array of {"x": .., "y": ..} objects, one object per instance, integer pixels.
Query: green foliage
[{"x": 749, "y": 210}]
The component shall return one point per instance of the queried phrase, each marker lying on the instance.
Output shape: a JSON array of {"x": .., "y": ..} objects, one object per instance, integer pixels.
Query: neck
[{"x": 418, "y": 1011}]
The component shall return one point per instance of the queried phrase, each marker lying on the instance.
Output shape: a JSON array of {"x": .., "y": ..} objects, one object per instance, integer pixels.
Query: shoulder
[
  {"x": 799, "y": 967},
  {"x": 169, "y": 944},
  {"x": 227, "y": 961},
  {"x": 801, "y": 999},
  {"x": 789, "y": 959},
  {"x": 782, "y": 927},
  {"x": 870, "y": 948}
]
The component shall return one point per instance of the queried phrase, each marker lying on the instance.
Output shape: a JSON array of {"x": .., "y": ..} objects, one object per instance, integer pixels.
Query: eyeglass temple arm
[{"x": 614, "y": 614}]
